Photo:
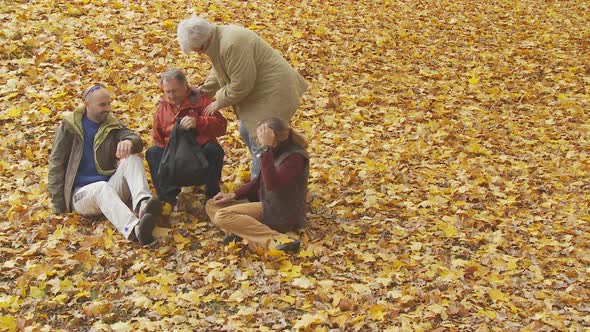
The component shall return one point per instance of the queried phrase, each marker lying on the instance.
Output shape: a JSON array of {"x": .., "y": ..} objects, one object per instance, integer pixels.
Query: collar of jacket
[
  {"x": 74, "y": 119},
  {"x": 285, "y": 148},
  {"x": 214, "y": 43}
]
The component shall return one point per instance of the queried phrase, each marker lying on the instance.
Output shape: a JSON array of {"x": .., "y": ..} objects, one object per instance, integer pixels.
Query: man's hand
[
  {"x": 188, "y": 122},
  {"x": 221, "y": 198},
  {"x": 266, "y": 136},
  {"x": 212, "y": 108},
  {"x": 124, "y": 149}
]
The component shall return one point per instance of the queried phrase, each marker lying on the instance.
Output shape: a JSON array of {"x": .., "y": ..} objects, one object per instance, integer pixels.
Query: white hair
[{"x": 193, "y": 33}]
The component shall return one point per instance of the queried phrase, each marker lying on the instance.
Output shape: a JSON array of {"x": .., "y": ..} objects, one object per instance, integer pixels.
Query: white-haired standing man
[{"x": 247, "y": 73}]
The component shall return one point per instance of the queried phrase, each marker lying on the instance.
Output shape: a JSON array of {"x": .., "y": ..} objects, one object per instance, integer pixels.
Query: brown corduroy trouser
[{"x": 243, "y": 220}]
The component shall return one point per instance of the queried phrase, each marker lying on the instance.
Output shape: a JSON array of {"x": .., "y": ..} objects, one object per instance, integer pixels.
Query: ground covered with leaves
[{"x": 449, "y": 187}]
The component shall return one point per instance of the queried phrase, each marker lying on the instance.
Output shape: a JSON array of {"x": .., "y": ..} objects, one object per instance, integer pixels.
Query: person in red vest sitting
[
  {"x": 277, "y": 194},
  {"x": 183, "y": 103}
]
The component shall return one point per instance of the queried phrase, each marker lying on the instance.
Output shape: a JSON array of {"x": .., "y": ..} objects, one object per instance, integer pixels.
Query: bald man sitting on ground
[{"x": 94, "y": 169}]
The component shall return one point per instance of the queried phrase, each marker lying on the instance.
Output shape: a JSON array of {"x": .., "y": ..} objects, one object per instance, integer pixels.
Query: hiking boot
[
  {"x": 143, "y": 230},
  {"x": 152, "y": 206}
]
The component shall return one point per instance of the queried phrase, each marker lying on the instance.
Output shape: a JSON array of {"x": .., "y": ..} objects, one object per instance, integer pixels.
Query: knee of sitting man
[
  {"x": 152, "y": 151},
  {"x": 213, "y": 148},
  {"x": 132, "y": 159},
  {"x": 219, "y": 150}
]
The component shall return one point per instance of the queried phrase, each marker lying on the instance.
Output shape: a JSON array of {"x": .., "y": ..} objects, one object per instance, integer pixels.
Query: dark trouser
[{"x": 168, "y": 192}]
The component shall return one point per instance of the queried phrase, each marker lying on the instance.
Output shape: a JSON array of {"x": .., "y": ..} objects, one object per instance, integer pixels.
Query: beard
[{"x": 102, "y": 117}]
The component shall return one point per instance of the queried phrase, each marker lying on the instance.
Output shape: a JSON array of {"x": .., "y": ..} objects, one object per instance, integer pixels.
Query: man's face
[
  {"x": 98, "y": 105},
  {"x": 175, "y": 90},
  {"x": 202, "y": 49}
]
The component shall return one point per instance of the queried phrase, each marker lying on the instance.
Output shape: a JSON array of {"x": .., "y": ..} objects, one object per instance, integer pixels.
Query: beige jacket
[{"x": 251, "y": 76}]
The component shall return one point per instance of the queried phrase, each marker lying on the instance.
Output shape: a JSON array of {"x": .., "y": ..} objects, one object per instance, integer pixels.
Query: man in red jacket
[{"x": 182, "y": 103}]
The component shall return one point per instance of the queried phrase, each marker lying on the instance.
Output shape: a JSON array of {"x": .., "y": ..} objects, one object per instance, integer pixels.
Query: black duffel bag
[{"x": 183, "y": 162}]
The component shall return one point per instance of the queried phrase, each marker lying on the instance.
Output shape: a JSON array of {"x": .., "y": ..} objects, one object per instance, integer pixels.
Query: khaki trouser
[
  {"x": 243, "y": 220},
  {"x": 109, "y": 197}
]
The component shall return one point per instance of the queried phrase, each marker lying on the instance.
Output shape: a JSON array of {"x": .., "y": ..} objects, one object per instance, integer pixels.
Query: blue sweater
[{"x": 87, "y": 172}]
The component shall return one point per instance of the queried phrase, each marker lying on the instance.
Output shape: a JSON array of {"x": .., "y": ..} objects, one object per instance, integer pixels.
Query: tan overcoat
[{"x": 251, "y": 76}]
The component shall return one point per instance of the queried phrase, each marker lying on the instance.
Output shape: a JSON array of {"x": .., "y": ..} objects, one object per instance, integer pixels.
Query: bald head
[{"x": 98, "y": 104}]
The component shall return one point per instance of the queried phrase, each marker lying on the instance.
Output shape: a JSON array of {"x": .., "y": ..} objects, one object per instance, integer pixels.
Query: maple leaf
[
  {"x": 303, "y": 282},
  {"x": 308, "y": 320},
  {"x": 8, "y": 323}
]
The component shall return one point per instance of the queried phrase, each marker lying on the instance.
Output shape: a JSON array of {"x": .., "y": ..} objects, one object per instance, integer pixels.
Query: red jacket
[{"x": 209, "y": 127}]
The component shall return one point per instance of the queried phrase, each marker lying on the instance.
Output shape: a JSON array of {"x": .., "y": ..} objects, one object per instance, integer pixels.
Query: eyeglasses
[{"x": 94, "y": 87}]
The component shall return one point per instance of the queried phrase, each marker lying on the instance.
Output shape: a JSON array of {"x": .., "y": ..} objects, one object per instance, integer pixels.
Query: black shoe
[
  {"x": 231, "y": 238},
  {"x": 143, "y": 230},
  {"x": 290, "y": 247},
  {"x": 153, "y": 206}
]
